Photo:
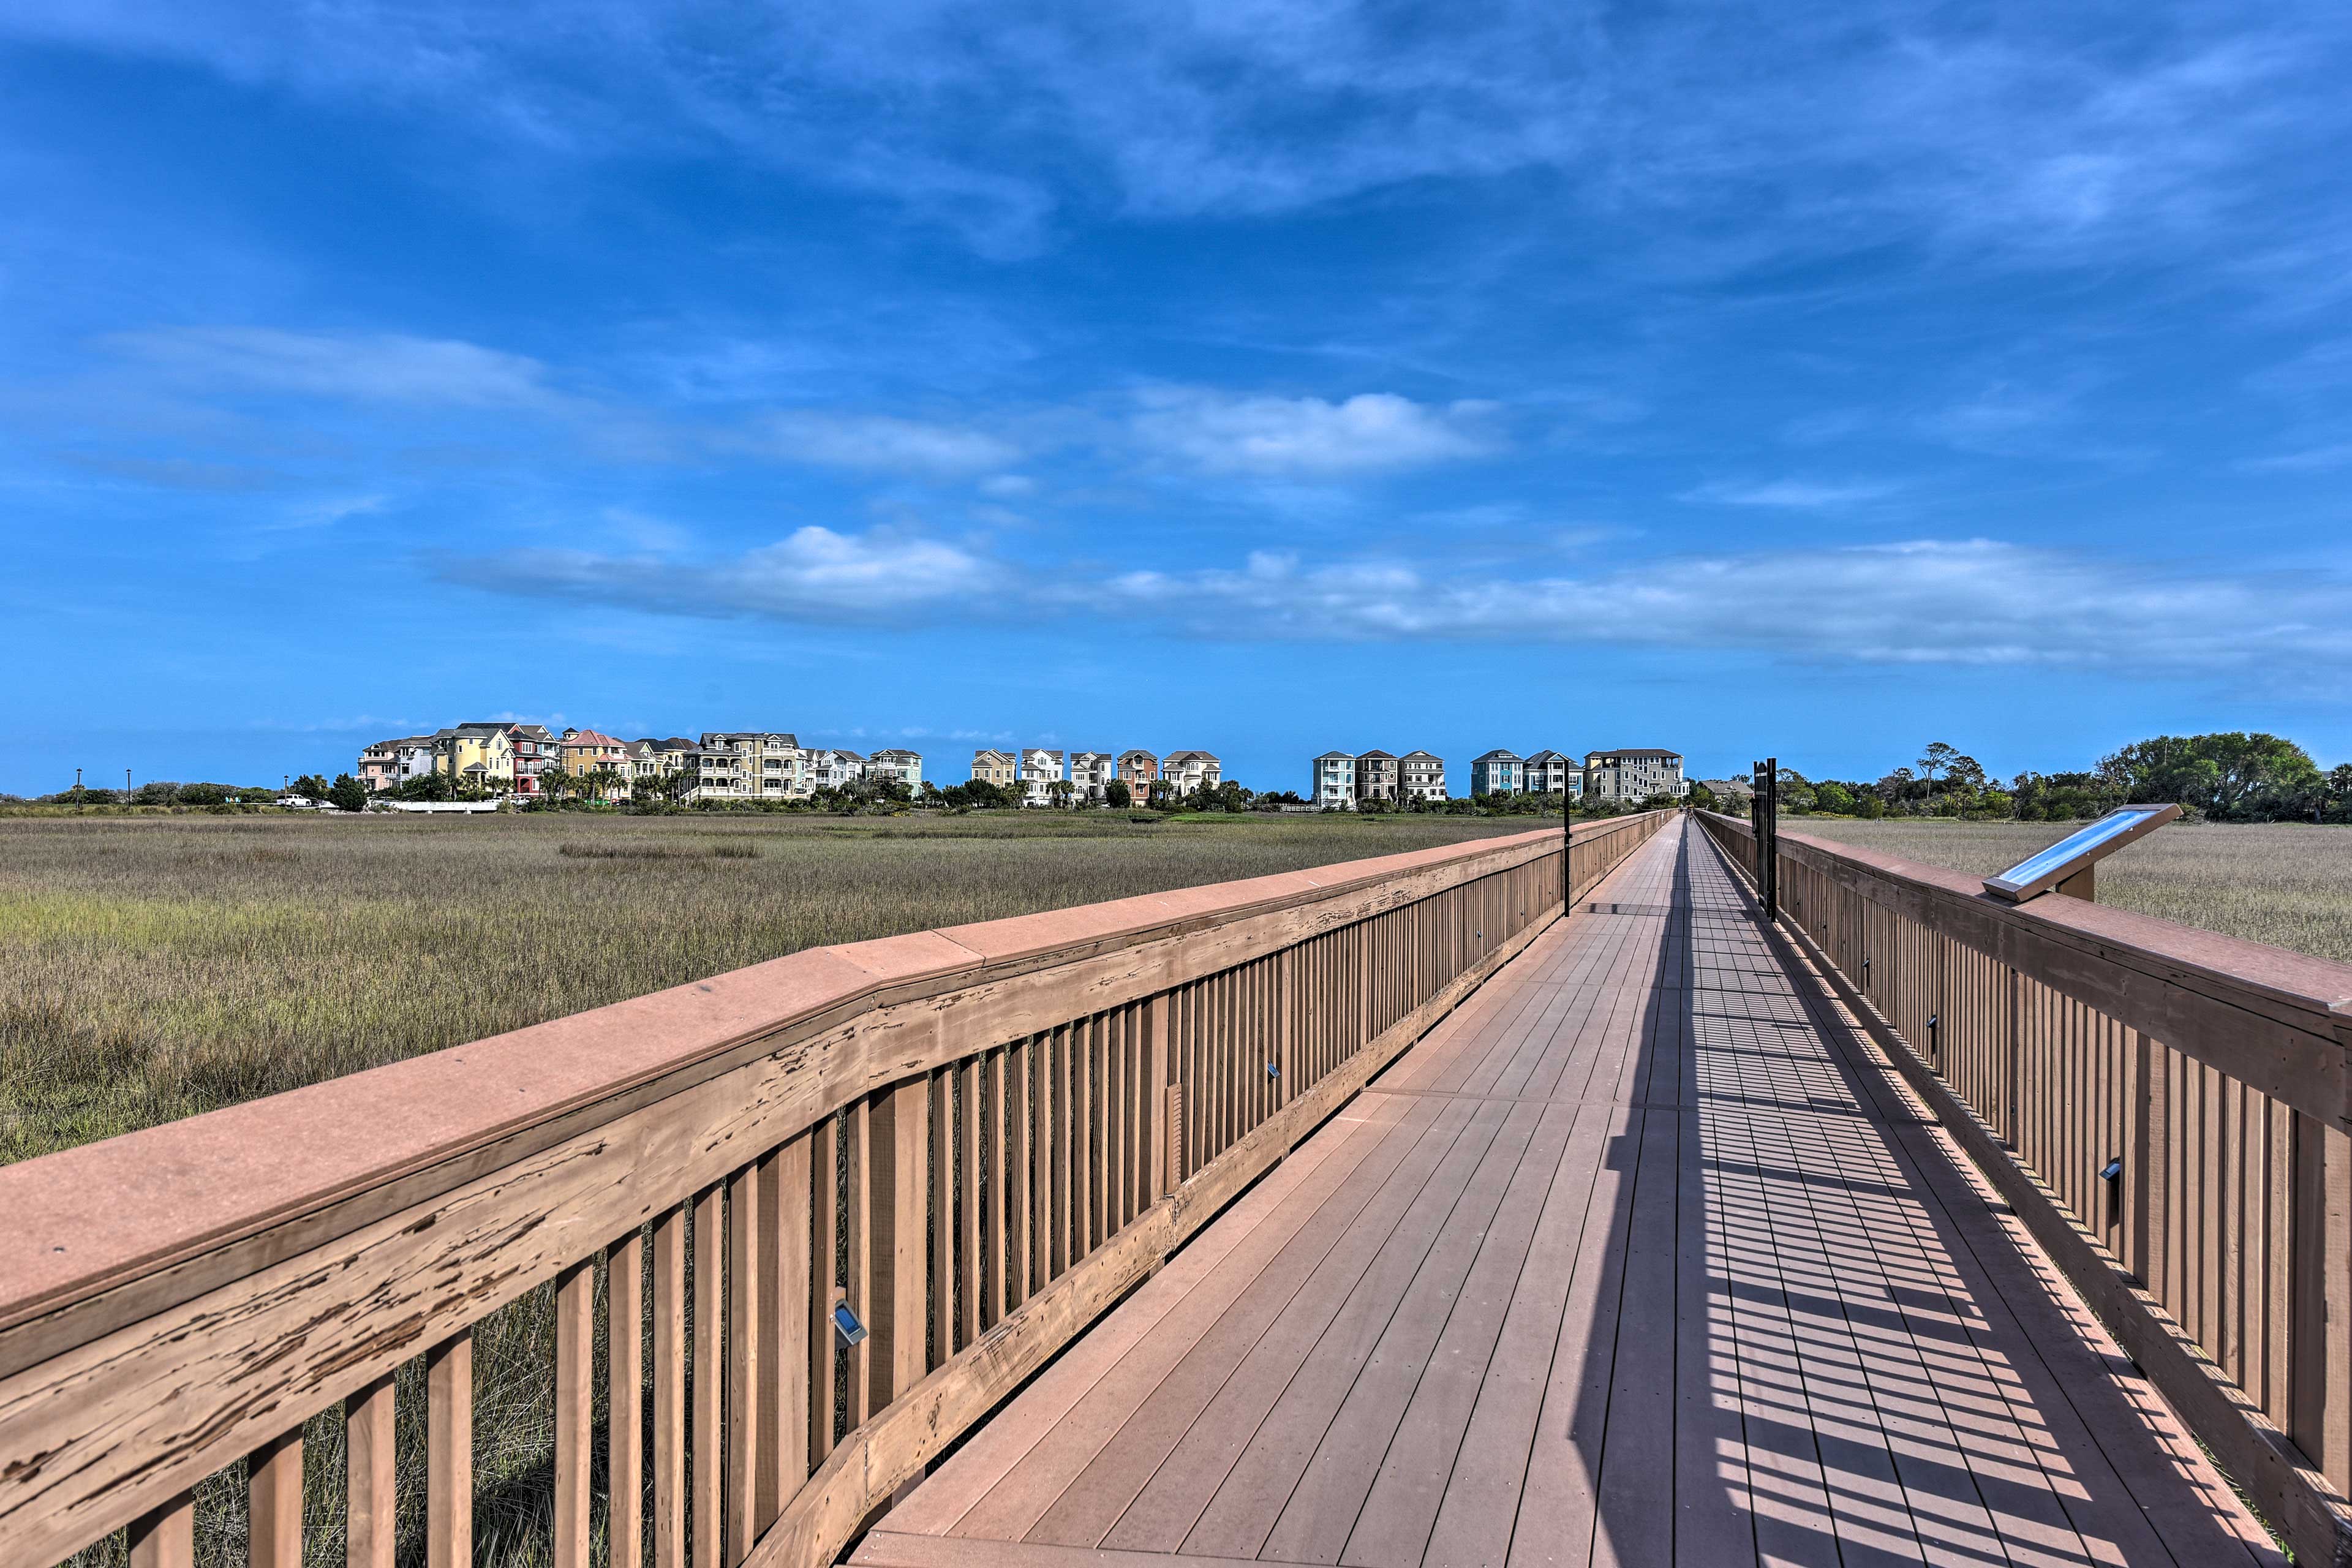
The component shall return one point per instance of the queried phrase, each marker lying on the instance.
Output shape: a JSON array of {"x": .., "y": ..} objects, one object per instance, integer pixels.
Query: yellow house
[
  {"x": 999, "y": 768},
  {"x": 479, "y": 756},
  {"x": 584, "y": 751}
]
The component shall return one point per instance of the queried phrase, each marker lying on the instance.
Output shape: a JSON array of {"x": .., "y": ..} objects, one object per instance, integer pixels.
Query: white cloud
[
  {"x": 1008, "y": 486},
  {"x": 880, "y": 442},
  {"x": 1307, "y": 436},
  {"x": 1967, "y": 603},
  {"x": 2035, "y": 132},
  {"x": 388, "y": 367},
  {"x": 813, "y": 575},
  {"x": 2310, "y": 461},
  {"x": 1975, "y": 602},
  {"x": 1804, "y": 495}
]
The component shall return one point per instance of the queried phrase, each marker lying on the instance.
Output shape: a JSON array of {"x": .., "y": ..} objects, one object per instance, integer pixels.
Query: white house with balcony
[
  {"x": 747, "y": 765},
  {"x": 1421, "y": 776},
  {"x": 1091, "y": 773},
  {"x": 1334, "y": 781},
  {"x": 1041, "y": 769},
  {"x": 899, "y": 763},
  {"x": 1549, "y": 773},
  {"x": 1634, "y": 774},
  {"x": 1182, "y": 772}
]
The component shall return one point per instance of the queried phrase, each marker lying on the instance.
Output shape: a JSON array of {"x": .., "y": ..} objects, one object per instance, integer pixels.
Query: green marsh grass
[{"x": 155, "y": 967}]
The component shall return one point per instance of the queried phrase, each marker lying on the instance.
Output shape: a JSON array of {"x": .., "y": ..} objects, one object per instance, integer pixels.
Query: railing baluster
[
  {"x": 946, "y": 1146},
  {"x": 747, "y": 1233},
  {"x": 575, "y": 1400},
  {"x": 167, "y": 1537},
  {"x": 900, "y": 1130},
  {"x": 824, "y": 1282},
  {"x": 1044, "y": 1111},
  {"x": 274, "y": 1503},
  {"x": 707, "y": 1482},
  {"x": 371, "y": 1508},
  {"x": 669, "y": 1388},
  {"x": 624, "y": 1369},
  {"x": 858, "y": 1222},
  {"x": 785, "y": 1333},
  {"x": 449, "y": 1452},
  {"x": 967, "y": 1274}
]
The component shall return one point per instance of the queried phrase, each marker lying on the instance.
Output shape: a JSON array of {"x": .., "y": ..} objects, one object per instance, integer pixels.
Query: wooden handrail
[
  {"x": 2165, "y": 1109},
  {"x": 999, "y": 1128}
]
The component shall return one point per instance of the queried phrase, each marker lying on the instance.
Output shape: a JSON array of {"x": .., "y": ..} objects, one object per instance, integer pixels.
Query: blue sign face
[
  {"x": 845, "y": 1325},
  {"x": 2079, "y": 845}
]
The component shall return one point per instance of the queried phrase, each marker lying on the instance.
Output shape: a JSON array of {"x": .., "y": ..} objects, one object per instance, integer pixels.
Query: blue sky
[{"x": 1265, "y": 377}]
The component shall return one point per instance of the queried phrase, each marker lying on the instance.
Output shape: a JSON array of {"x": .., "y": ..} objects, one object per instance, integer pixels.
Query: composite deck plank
[
  {"x": 1643, "y": 1254},
  {"x": 1090, "y": 1507},
  {"x": 1166, "y": 1509},
  {"x": 1030, "y": 1490},
  {"x": 1321, "y": 1511},
  {"x": 1244, "y": 1509},
  {"x": 1392, "y": 1527}
]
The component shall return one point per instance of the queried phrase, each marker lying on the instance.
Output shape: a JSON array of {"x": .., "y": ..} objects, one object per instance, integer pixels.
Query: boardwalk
[{"x": 1641, "y": 1257}]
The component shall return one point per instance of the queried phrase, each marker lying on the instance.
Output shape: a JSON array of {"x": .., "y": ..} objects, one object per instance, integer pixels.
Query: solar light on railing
[
  {"x": 845, "y": 1325},
  {"x": 2113, "y": 1170},
  {"x": 1273, "y": 1069}
]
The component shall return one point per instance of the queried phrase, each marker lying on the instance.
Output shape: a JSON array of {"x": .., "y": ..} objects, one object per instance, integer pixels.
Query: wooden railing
[
  {"x": 975, "y": 1139},
  {"x": 2057, "y": 1038}
]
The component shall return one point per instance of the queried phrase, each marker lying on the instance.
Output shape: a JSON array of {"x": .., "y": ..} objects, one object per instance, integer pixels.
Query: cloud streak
[
  {"x": 1308, "y": 437},
  {"x": 1969, "y": 603}
]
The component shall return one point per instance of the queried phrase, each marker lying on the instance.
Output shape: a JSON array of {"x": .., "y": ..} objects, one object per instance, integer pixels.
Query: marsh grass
[
  {"x": 152, "y": 968},
  {"x": 2288, "y": 884}
]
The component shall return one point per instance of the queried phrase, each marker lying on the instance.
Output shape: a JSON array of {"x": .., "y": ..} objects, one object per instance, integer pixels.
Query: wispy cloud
[
  {"x": 879, "y": 443},
  {"x": 2038, "y": 133},
  {"x": 379, "y": 367},
  {"x": 813, "y": 574},
  {"x": 1800, "y": 495},
  {"x": 1309, "y": 438},
  {"x": 2309, "y": 461},
  {"x": 1962, "y": 603}
]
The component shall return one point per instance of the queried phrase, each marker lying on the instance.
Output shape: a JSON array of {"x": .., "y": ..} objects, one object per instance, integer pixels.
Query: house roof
[
  {"x": 1422, "y": 756},
  {"x": 1191, "y": 756},
  {"x": 1343, "y": 756},
  {"x": 1500, "y": 756},
  {"x": 1130, "y": 755},
  {"x": 896, "y": 755},
  {"x": 1376, "y": 756},
  {"x": 591, "y": 738},
  {"x": 1634, "y": 751},
  {"x": 1546, "y": 755}
]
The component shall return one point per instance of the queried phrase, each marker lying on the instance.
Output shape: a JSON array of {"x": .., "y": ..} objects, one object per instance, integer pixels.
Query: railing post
[{"x": 1159, "y": 1101}]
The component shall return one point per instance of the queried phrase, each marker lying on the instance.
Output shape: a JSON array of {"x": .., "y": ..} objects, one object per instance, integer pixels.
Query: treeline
[
  {"x": 2228, "y": 776},
  {"x": 158, "y": 792}
]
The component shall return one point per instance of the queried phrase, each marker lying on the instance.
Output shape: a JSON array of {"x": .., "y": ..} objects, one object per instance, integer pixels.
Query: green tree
[
  {"x": 1117, "y": 795},
  {"x": 347, "y": 794},
  {"x": 2233, "y": 774},
  {"x": 1936, "y": 759},
  {"x": 310, "y": 786}
]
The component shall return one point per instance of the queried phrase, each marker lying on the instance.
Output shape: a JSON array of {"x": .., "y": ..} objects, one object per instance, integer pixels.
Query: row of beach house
[
  {"x": 528, "y": 761},
  {"x": 1340, "y": 781}
]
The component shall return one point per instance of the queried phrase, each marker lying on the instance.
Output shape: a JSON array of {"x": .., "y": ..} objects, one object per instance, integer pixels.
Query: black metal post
[
  {"x": 1567, "y": 847},
  {"x": 1771, "y": 855}
]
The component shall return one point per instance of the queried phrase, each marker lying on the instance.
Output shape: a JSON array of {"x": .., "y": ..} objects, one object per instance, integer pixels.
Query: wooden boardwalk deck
[{"x": 1642, "y": 1256}]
